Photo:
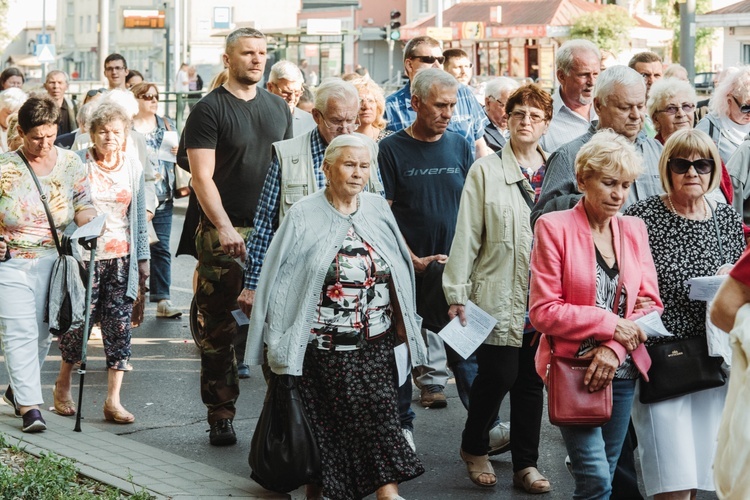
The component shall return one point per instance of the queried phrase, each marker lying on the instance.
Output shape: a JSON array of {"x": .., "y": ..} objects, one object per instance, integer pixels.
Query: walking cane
[{"x": 91, "y": 246}]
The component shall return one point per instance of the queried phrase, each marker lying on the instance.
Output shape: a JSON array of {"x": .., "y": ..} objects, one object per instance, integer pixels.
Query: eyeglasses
[
  {"x": 370, "y": 101},
  {"x": 499, "y": 102},
  {"x": 521, "y": 116},
  {"x": 93, "y": 92},
  {"x": 149, "y": 97},
  {"x": 681, "y": 166},
  {"x": 287, "y": 94},
  {"x": 343, "y": 125},
  {"x": 687, "y": 108},
  {"x": 429, "y": 59},
  {"x": 115, "y": 68},
  {"x": 744, "y": 108}
]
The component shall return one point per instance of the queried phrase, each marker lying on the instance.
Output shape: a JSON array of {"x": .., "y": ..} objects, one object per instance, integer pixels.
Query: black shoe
[
  {"x": 243, "y": 371},
  {"x": 33, "y": 421},
  {"x": 222, "y": 433},
  {"x": 11, "y": 400}
]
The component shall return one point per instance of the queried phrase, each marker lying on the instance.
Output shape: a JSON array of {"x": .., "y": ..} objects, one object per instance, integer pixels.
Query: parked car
[{"x": 704, "y": 82}]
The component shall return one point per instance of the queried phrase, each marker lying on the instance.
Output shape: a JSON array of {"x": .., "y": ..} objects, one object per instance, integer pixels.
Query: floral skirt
[{"x": 351, "y": 401}]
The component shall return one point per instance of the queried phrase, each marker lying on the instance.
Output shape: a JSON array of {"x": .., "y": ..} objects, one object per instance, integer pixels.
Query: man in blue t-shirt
[{"x": 424, "y": 168}]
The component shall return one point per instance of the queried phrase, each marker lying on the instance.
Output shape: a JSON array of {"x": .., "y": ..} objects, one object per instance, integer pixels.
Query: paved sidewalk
[{"x": 127, "y": 464}]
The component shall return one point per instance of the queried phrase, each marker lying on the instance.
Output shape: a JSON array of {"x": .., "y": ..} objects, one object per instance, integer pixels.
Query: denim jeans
[
  {"x": 161, "y": 258},
  {"x": 594, "y": 450}
]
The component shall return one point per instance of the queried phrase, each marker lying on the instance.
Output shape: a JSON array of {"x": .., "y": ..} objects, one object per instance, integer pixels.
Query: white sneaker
[
  {"x": 165, "y": 309},
  {"x": 499, "y": 439},
  {"x": 409, "y": 439}
]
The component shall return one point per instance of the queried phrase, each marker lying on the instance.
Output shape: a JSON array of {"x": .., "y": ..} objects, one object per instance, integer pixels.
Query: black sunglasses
[
  {"x": 429, "y": 59},
  {"x": 93, "y": 92},
  {"x": 149, "y": 97},
  {"x": 702, "y": 165},
  {"x": 744, "y": 108}
]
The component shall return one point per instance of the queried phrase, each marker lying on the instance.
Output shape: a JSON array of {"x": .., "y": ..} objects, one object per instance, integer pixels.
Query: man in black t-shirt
[
  {"x": 424, "y": 168},
  {"x": 228, "y": 137}
]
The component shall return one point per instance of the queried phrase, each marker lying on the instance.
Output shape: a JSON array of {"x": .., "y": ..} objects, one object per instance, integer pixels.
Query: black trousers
[
  {"x": 497, "y": 368},
  {"x": 526, "y": 407}
]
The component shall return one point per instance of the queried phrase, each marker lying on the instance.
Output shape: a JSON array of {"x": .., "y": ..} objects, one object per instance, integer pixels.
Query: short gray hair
[
  {"x": 12, "y": 99},
  {"x": 735, "y": 83},
  {"x": 285, "y": 70},
  {"x": 665, "y": 89},
  {"x": 425, "y": 79},
  {"x": 615, "y": 76},
  {"x": 56, "y": 72},
  {"x": 108, "y": 112},
  {"x": 336, "y": 89},
  {"x": 84, "y": 114},
  {"x": 498, "y": 85},
  {"x": 242, "y": 33},
  {"x": 124, "y": 98},
  {"x": 333, "y": 151},
  {"x": 567, "y": 53}
]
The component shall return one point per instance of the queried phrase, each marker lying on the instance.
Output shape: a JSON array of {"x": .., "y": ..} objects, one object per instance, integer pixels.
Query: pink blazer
[{"x": 563, "y": 284}]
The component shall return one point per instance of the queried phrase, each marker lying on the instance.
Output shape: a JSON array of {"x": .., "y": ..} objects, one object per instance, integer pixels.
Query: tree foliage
[
  {"x": 4, "y": 36},
  {"x": 609, "y": 28},
  {"x": 704, "y": 37}
]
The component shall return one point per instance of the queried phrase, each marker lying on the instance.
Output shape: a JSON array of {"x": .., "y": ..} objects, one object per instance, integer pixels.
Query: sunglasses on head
[
  {"x": 149, "y": 97},
  {"x": 681, "y": 165},
  {"x": 429, "y": 59},
  {"x": 744, "y": 108},
  {"x": 93, "y": 92}
]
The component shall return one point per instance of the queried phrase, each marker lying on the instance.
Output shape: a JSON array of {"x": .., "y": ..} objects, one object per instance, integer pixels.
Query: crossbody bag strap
[
  {"x": 718, "y": 234},
  {"x": 620, "y": 283},
  {"x": 524, "y": 193},
  {"x": 43, "y": 197}
]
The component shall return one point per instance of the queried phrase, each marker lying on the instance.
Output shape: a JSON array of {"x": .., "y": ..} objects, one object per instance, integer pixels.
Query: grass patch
[{"x": 50, "y": 477}]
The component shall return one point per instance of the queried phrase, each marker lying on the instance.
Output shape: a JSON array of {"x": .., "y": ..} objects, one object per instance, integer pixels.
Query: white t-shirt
[{"x": 182, "y": 82}]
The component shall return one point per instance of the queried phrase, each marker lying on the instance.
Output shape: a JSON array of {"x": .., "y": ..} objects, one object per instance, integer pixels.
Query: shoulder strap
[
  {"x": 716, "y": 226},
  {"x": 524, "y": 193},
  {"x": 620, "y": 283},
  {"x": 43, "y": 197},
  {"x": 166, "y": 123}
]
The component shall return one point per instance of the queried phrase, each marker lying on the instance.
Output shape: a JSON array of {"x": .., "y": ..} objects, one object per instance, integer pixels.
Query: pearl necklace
[{"x": 705, "y": 207}]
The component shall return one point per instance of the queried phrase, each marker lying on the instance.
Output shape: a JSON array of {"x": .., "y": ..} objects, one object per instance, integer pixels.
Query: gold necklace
[{"x": 705, "y": 207}]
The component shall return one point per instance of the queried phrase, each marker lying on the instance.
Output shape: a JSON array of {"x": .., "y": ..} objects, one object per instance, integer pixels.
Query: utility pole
[
  {"x": 103, "y": 50},
  {"x": 687, "y": 36},
  {"x": 44, "y": 32}
]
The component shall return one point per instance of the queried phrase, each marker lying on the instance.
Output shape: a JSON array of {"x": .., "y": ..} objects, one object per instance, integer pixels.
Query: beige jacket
[{"x": 489, "y": 257}]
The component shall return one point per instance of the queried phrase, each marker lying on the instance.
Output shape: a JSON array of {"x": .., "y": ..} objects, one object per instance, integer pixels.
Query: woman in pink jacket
[{"x": 579, "y": 260}]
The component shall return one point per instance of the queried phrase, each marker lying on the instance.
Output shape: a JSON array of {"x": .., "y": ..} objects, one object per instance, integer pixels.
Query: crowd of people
[{"x": 348, "y": 224}]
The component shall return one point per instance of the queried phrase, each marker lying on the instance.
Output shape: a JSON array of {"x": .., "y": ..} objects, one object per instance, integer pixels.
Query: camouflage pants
[{"x": 219, "y": 285}]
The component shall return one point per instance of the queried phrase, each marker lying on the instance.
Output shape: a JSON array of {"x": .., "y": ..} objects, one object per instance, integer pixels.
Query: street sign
[
  {"x": 444, "y": 33},
  {"x": 45, "y": 53},
  {"x": 43, "y": 39}
]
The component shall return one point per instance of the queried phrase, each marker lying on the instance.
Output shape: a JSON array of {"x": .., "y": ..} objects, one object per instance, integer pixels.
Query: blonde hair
[
  {"x": 366, "y": 85},
  {"x": 608, "y": 153},
  {"x": 684, "y": 144}
]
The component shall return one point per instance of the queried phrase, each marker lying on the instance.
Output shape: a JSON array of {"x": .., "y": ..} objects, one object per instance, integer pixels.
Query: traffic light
[
  {"x": 383, "y": 33},
  {"x": 395, "y": 25}
]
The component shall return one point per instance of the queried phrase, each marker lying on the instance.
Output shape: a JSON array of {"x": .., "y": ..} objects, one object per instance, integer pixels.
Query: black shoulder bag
[
  {"x": 682, "y": 366},
  {"x": 62, "y": 318}
]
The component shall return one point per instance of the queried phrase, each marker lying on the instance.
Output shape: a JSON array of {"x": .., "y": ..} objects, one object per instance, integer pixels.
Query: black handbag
[
  {"x": 283, "y": 452},
  {"x": 682, "y": 366}
]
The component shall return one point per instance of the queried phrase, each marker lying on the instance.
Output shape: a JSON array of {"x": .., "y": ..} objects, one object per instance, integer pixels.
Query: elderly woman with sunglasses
[
  {"x": 671, "y": 106},
  {"x": 690, "y": 236},
  {"x": 728, "y": 120},
  {"x": 153, "y": 128}
]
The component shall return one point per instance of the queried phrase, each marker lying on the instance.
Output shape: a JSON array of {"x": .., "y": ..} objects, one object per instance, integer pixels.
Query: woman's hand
[
  {"x": 457, "y": 310},
  {"x": 642, "y": 303},
  {"x": 144, "y": 269},
  {"x": 420, "y": 263},
  {"x": 629, "y": 334},
  {"x": 725, "y": 269},
  {"x": 174, "y": 150},
  {"x": 604, "y": 364}
]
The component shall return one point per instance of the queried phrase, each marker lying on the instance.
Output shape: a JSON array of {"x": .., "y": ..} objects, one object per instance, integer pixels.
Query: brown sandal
[
  {"x": 531, "y": 481},
  {"x": 63, "y": 407},
  {"x": 477, "y": 466}
]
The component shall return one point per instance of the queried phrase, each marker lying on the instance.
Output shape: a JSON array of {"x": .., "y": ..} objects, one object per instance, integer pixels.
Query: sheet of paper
[
  {"x": 170, "y": 140},
  {"x": 401, "y": 352},
  {"x": 465, "y": 339},
  {"x": 91, "y": 230},
  {"x": 240, "y": 317},
  {"x": 705, "y": 287},
  {"x": 652, "y": 325}
]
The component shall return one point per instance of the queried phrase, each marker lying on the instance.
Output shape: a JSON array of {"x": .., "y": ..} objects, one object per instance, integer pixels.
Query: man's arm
[
  {"x": 202, "y": 165},
  {"x": 559, "y": 188},
  {"x": 481, "y": 148},
  {"x": 264, "y": 226}
]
